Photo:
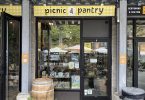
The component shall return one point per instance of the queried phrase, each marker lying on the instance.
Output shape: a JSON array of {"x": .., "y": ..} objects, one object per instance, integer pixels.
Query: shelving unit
[
  {"x": 13, "y": 78},
  {"x": 65, "y": 72}
]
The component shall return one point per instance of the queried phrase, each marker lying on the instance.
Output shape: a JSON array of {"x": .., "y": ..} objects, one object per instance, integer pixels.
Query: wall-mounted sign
[
  {"x": 143, "y": 9},
  {"x": 123, "y": 59},
  {"x": 25, "y": 58},
  {"x": 142, "y": 49},
  {"x": 134, "y": 10},
  {"x": 11, "y": 9},
  {"x": 62, "y": 10},
  {"x": 74, "y": 10}
]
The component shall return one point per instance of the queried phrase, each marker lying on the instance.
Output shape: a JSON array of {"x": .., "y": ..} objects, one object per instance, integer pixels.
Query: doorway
[
  {"x": 136, "y": 53},
  {"x": 96, "y": 63},
  {"x": 76, "y": 53},
  {"x": 10, "y": 67},
  {"x": 96, "y": 70}
]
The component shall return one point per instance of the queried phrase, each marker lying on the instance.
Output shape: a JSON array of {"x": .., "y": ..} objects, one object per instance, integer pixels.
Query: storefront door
[
  {"x": 96, "y": 69},
  {"x": 136, "y": 53},
  {"x": 10, "y": 55},
  {"x": 139, "y": 71}
]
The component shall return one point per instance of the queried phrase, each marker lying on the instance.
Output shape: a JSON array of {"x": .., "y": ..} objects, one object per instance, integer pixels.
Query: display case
[{"x": 64, "y": 69}]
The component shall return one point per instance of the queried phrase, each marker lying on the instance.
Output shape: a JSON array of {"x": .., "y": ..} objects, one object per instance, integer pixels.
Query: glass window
[
  {"x": 130, "y": 29},
  {"x": 129, "y": 62},
  {"x": 140, "y": 28},
  {"x": 59, "y": 50},
  {"x": 96, "y": 69},
  {"x": 13, "y": 58},
  {"x": 129, "y": 52},
  {"x": 141, "y": 65}
]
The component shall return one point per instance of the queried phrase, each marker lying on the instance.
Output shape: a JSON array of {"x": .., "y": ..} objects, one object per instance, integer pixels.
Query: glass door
[
  {"x": 11, "y": 65},
  {"x": 96, "y": 73},
  {"x": 140, "y": 65},
  {"x": 2, "y": 59}
]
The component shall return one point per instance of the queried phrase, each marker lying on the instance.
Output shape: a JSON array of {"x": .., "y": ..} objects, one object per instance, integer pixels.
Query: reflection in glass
[
  {"x": 13, "y": 58},
  {"x": 129, "y": 62},
  {"x": 141, "y": 65},
  {"x": 129, "y": 28},
  {"x": 96, "y": 63},
  {"x": 59, "y": 52},
  {"x": 140, "y": 28}
]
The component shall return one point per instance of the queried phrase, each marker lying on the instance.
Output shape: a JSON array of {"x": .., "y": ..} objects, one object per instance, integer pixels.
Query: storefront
[
  {"x": 136, "y": 39},
  {"x": 75, "y": 50},
  {"x": 73, "y": 45},
  {"x": 10, "y": 44}
]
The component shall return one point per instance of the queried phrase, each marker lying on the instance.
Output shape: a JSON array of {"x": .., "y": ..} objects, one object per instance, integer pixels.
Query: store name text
[
  {"x": 74, "y": 11},
  {"x": 3, "y": 9}
]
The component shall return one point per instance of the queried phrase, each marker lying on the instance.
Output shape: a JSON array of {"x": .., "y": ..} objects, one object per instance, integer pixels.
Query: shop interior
[
  {"x": 13, "y": 63},
  {"x": 59, "y": 57}
]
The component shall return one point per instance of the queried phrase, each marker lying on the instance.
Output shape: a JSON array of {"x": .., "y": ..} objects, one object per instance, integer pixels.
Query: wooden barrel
[{"x": 42, "y": 89}]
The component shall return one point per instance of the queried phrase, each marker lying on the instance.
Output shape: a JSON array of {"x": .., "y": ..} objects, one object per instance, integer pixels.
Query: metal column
[
  {"x": 26, "y": 39},
  {"x": 122, "y": 44}
]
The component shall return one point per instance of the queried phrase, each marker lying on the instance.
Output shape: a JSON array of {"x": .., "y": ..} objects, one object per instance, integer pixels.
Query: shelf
[{"x": 67, "y": 69}]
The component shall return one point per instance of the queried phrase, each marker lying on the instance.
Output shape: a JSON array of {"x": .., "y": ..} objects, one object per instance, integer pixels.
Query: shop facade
[
  {"x": 84, "y": 66},
  {"x": 70, "y": 57},
  {"x": 135, "y": 24}
]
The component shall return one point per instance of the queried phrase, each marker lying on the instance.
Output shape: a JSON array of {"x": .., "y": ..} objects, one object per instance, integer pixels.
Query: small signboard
[
  {"x": 25, "y": 58},
  {"x": 134, "y": 10},
  {"x": 143, "y": 10},
  {"x": 123, "y": 59}
]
